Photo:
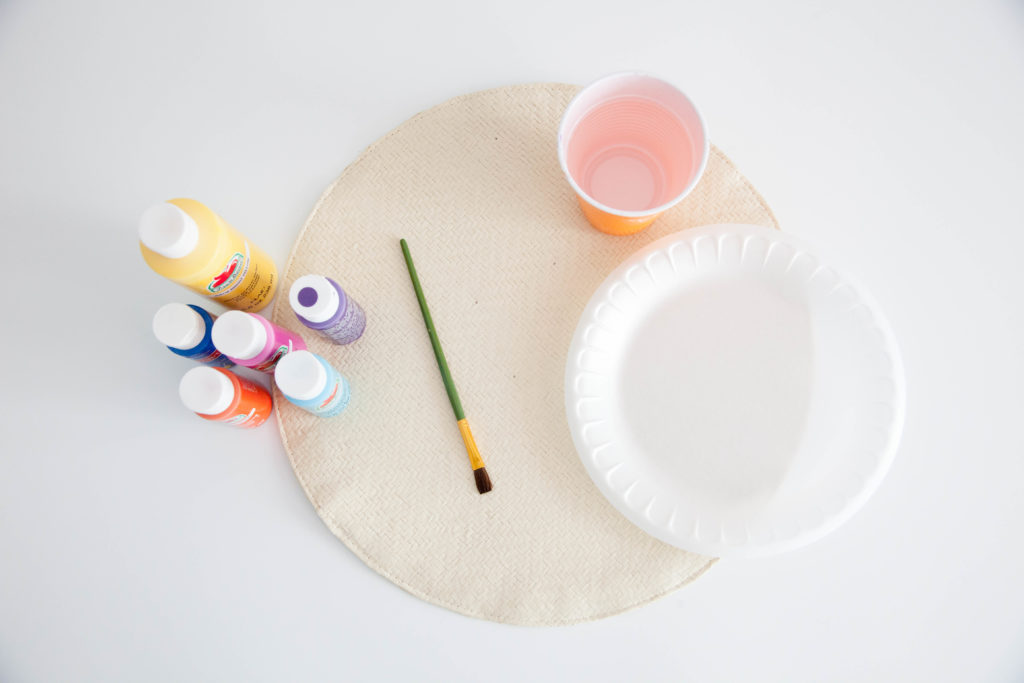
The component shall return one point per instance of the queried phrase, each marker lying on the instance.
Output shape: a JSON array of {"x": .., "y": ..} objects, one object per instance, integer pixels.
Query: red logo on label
[
  {"x": 219, "y": 281},
  {"x": 330, "y": 398},
  {"x": 227, "y": 277}
]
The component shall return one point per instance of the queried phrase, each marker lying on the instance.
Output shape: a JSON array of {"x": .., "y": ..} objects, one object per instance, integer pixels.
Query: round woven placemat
[{"x": 507, "y": 264}]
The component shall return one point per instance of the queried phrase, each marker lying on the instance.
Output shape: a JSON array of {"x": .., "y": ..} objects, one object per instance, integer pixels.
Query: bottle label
[
  {"x": 349, "y": 326},
  {"x": 272, "y": 361},
  {"x": 242, "y": 419},
  {"x": 336, "y": 401},
  {"x": 231, "y": 275},
  {"x": 214, "y": 358}
]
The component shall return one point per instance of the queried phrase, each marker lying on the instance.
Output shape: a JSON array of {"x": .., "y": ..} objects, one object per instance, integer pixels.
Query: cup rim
[{"x": 563, "y": 162}]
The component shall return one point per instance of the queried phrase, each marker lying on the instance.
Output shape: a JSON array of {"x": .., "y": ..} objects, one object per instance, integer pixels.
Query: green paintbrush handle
[{"x": 442, "y": 364}]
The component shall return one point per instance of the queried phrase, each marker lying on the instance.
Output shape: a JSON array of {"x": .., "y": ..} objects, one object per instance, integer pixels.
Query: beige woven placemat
[{"x": 507, "y": 264}]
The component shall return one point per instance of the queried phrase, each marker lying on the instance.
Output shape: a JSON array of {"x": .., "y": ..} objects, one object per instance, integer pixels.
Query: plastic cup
[{"x": 632, "y": 146}]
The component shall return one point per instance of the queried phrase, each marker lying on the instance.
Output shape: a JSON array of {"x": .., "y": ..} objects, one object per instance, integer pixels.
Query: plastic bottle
[
  {"x": 311, "y": 383},
  {"x": 221, "y": 396},
  {"x": 322, "y": 305},
  {"x": 188, "y": 243},
  {"x": 185, "y": 330},
  {"x": 252, "y": 341}
]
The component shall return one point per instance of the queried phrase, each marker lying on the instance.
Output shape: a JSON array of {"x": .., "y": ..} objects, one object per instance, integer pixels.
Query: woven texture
[{"x": 507, "y": 264}]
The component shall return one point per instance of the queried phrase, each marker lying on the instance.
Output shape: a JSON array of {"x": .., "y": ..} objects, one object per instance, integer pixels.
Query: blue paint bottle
[
  {"x": 311, "y": 383},
  {"x": 185, "y": 330}
]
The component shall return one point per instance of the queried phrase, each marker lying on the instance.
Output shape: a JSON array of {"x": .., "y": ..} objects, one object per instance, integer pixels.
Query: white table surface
[{"x": 138, "y": 543}]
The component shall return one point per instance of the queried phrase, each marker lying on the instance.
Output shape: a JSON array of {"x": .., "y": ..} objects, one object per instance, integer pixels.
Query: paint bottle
[
  {"x": 188, "y": 243},
  {"x": 252, "y": 341},
  {"x": 320, "y": 304},
  {"x": 185, "y": 330},
  {"x": 311, "y": 383},
  {"x": 221, "y": 396}
]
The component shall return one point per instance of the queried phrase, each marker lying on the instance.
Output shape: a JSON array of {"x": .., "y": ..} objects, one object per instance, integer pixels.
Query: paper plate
[{"x": 731, "y": 395}]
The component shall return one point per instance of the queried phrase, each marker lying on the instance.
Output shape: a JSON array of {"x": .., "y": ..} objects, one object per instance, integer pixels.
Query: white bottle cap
[
  {"x": 239, "y": 335},
  {"x": 300, "y": 375},
  {"x": 168, "y": 230},
  {"x": 205, "y": 391},
  {"x": 178, "y": 326},
  {"x": 314, "y": 298}
]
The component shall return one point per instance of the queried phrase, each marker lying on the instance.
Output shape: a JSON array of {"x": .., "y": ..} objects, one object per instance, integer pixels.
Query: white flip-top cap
[
  {"x": 178, "y": 326},
  {"x": 168, "y": 230},
  {"x": 239, "y": 335},
  {"x": 314, "y": 298},
  {"x": 204, "y": 390},
  {"x": 300, "y": 375}
]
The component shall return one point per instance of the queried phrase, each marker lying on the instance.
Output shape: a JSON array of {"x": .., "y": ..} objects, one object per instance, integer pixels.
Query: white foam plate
[{"x": 732, "y": 395}]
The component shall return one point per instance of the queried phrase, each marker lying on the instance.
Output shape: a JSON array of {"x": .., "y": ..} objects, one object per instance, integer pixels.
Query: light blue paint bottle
[
  {"x": 185, "y": 330},
  {"x": 311, "y": 383}
]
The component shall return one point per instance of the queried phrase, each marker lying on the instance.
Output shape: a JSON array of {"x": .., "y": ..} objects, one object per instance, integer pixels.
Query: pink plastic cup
[{"x": 632, "y": 146}]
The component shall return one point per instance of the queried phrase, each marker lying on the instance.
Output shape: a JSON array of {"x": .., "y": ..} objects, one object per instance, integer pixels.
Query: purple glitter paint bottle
[{"x": 321, "y": 305}]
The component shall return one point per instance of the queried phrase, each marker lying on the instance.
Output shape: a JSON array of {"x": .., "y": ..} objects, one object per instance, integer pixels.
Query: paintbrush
[{"x": 483, "y": 482}]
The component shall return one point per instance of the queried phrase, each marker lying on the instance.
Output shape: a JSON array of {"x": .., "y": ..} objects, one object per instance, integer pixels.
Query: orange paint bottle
[{"x": 221, "y": 396}]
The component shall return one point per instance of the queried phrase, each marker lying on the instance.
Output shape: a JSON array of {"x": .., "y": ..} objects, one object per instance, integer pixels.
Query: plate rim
[{"x": 885, "y": 454}]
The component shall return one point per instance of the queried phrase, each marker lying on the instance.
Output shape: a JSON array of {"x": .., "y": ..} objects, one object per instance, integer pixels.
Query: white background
[{"x": 138, "y": 543}]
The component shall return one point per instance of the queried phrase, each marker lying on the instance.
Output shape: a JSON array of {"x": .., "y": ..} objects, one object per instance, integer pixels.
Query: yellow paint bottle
[{"x": 187, "y": 243}]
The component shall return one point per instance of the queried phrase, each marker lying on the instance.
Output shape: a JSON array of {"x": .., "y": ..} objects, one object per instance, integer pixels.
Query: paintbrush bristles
[{"x": 483, "y": 482}]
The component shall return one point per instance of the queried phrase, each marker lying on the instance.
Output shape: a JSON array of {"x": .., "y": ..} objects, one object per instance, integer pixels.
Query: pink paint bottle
[{"x": 252, "y": 341}]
